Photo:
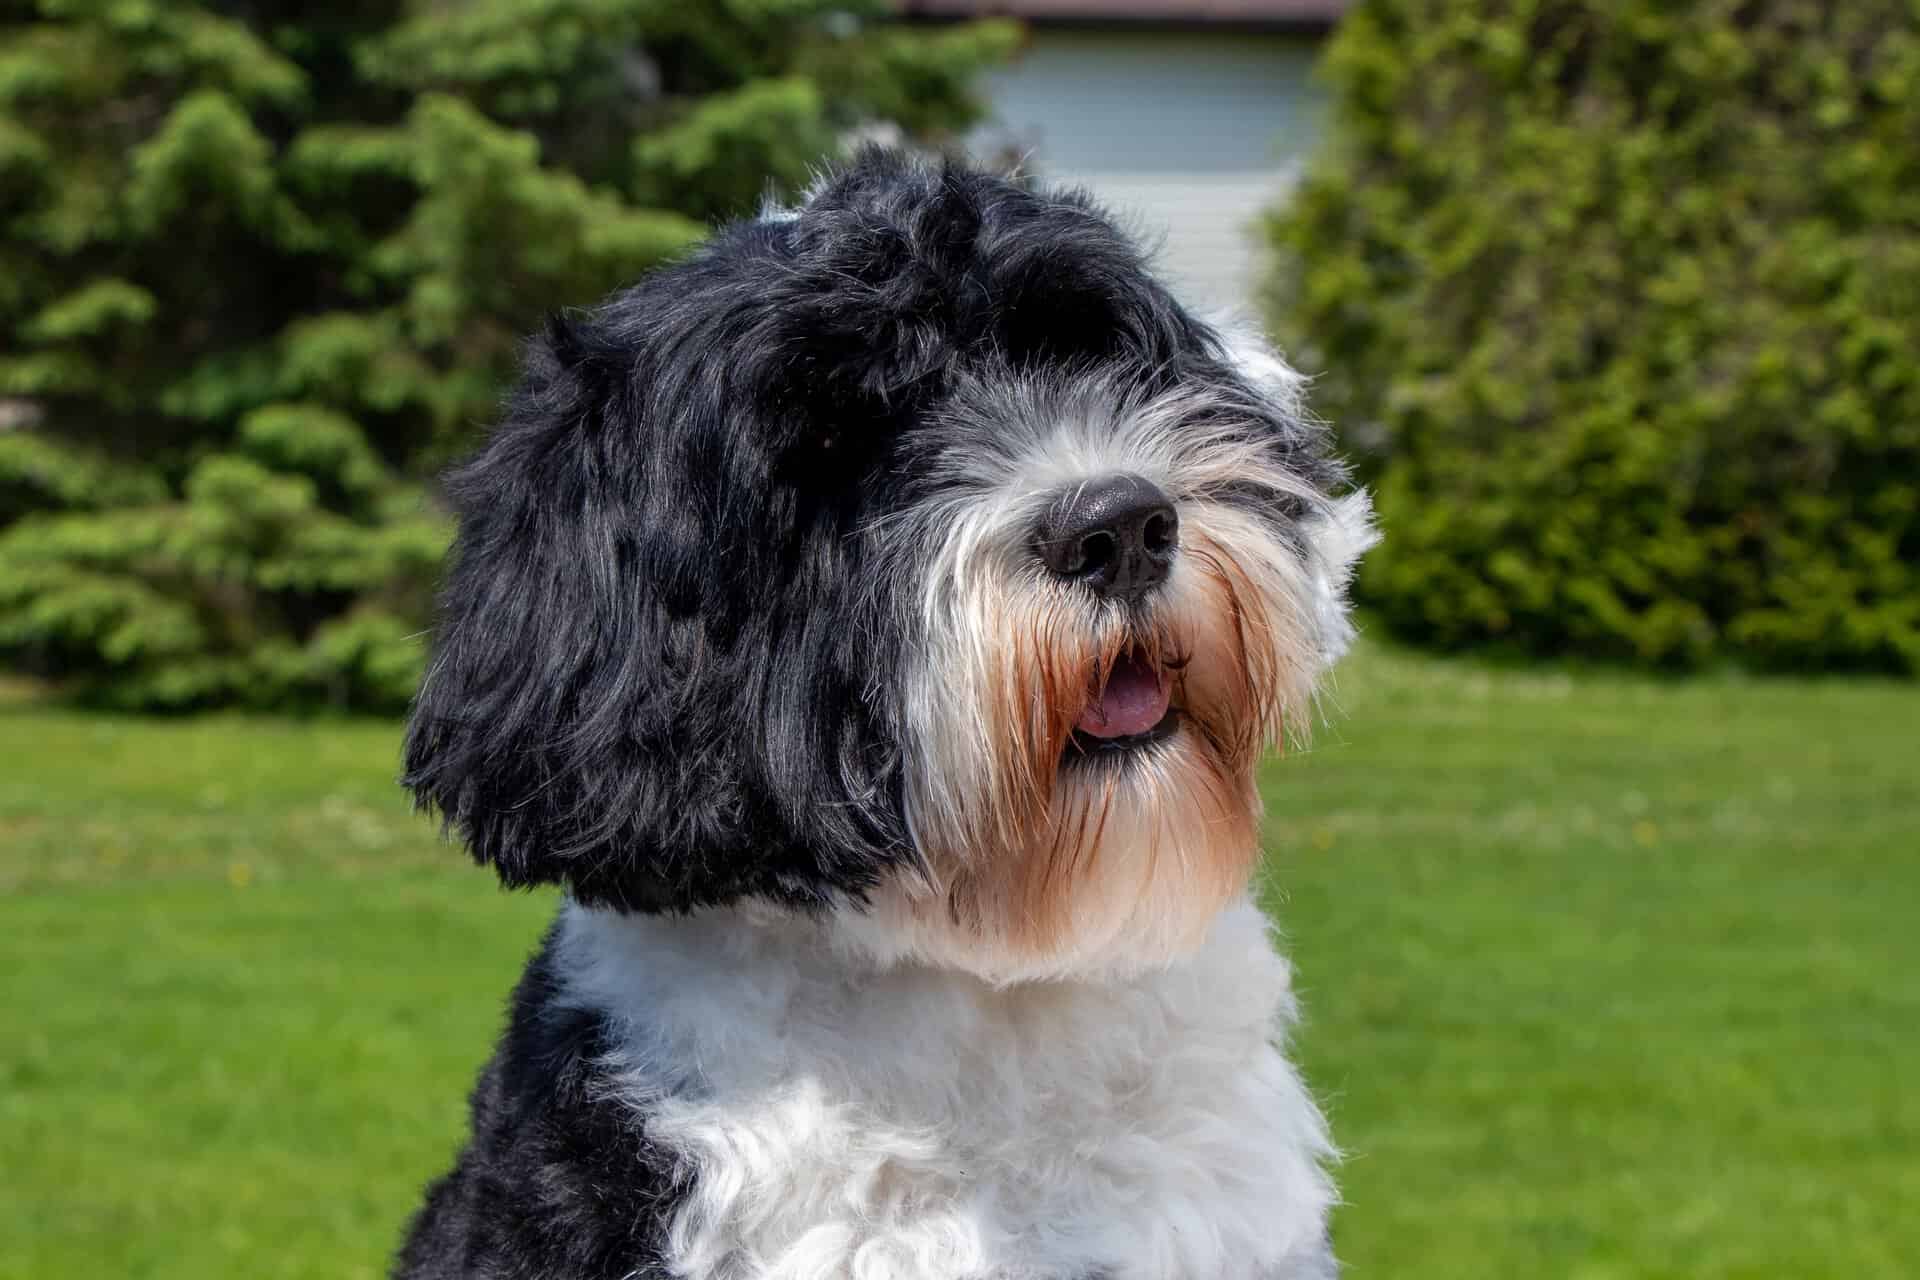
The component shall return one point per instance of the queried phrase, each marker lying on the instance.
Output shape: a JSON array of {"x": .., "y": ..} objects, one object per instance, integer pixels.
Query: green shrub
[
  {"x": 1618, "y": 302},
  {"x": 263, "y": 267}
]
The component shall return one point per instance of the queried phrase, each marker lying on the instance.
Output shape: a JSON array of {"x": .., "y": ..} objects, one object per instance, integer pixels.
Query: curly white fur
[{"x": 845, "y": 1121}]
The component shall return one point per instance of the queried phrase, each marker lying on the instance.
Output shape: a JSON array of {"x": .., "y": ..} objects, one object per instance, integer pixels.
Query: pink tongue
[{"x": 1134, "y": 701}]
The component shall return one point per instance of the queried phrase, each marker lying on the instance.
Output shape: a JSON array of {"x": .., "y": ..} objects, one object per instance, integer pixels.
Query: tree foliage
[
  {"x": 262, "y": 267},
  {"x": 1620, "y": 305}
]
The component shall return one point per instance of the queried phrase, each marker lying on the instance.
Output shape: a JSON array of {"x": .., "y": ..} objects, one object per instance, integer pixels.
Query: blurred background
[{"x": 1603, "y": 874}]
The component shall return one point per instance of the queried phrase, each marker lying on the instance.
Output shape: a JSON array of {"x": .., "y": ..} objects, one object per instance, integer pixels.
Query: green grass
[{"x": 1605, "y": 977}]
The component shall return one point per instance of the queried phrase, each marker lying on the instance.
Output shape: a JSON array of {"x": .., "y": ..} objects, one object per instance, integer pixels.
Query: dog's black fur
[
  {"x": 657, "y": 676},
  {"x": 555, "y": 1181}
]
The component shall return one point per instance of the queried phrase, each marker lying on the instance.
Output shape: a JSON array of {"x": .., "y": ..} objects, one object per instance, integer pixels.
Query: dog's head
[{"x": 912, "y": 557}]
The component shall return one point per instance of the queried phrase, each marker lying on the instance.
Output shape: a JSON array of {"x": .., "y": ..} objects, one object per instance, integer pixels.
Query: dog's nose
[{"x": 1116, "y": 535}]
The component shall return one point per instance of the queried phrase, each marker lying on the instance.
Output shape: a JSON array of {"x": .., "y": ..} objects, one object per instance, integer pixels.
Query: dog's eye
[
  {"x": 1258, "y": 498},
  {"x": 834, "y": 457}
]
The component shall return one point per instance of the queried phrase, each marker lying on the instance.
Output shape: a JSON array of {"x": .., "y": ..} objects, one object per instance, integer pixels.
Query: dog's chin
[{"x": 1147, "y": 830}]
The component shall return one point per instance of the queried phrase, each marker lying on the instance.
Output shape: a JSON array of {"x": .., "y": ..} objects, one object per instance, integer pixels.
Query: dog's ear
[
  {"x": 645, "y": 680},
  {"x": 1336, "y": 530}
]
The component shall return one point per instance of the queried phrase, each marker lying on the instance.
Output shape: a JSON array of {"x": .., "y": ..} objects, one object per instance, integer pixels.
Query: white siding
[{"x": 1186, "y": 135}]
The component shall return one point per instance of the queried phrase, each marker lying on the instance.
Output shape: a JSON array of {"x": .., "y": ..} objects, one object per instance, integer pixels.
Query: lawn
[{"x": 1606, "y": 977}]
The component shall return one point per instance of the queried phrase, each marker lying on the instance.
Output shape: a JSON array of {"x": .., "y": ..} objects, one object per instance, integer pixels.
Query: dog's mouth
[{"x": 1134, "y": 708}]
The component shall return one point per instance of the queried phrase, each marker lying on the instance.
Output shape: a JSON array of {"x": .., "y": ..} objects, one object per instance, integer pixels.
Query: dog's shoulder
[{"x": 558, "y": 1177}]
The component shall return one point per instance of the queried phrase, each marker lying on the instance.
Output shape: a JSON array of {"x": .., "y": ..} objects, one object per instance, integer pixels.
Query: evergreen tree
[
  {"x": 1619, "y": 301},
  {"x": 263, "y": 266}
]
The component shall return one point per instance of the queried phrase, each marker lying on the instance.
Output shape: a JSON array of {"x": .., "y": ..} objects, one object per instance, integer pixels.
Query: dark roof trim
[{"x": 1296, "y": 15}]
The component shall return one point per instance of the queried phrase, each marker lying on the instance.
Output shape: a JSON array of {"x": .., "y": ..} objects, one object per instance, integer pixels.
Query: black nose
[{"x": 1116, "y": 534}]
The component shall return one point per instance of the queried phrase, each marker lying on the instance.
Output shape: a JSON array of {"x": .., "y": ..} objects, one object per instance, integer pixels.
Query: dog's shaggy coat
[{"x": 906, "y": 930}]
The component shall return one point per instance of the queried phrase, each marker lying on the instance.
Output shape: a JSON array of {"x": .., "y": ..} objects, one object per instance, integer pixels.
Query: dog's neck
[{"x": 842, "y": 1118}]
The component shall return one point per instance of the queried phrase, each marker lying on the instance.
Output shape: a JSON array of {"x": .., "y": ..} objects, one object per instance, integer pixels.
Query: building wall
[{"x": 1185, "y": 135}]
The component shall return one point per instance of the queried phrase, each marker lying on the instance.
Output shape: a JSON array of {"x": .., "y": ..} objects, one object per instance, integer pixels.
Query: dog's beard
[{"x": 1049, "y": 853}]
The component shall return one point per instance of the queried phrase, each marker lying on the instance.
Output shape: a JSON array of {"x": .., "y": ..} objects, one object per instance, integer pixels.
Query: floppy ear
[
  {"x": 638, "y": 686},
  {"x": 1337, "y": 531},
  {"x": 1338, "y": 535}
]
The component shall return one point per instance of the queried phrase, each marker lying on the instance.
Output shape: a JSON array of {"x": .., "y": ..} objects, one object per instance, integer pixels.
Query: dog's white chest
[{"x": 919, "y": 1125}]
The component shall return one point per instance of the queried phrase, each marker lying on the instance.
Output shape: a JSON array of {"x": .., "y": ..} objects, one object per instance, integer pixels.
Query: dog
[{"x": 873, "y": 622}]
